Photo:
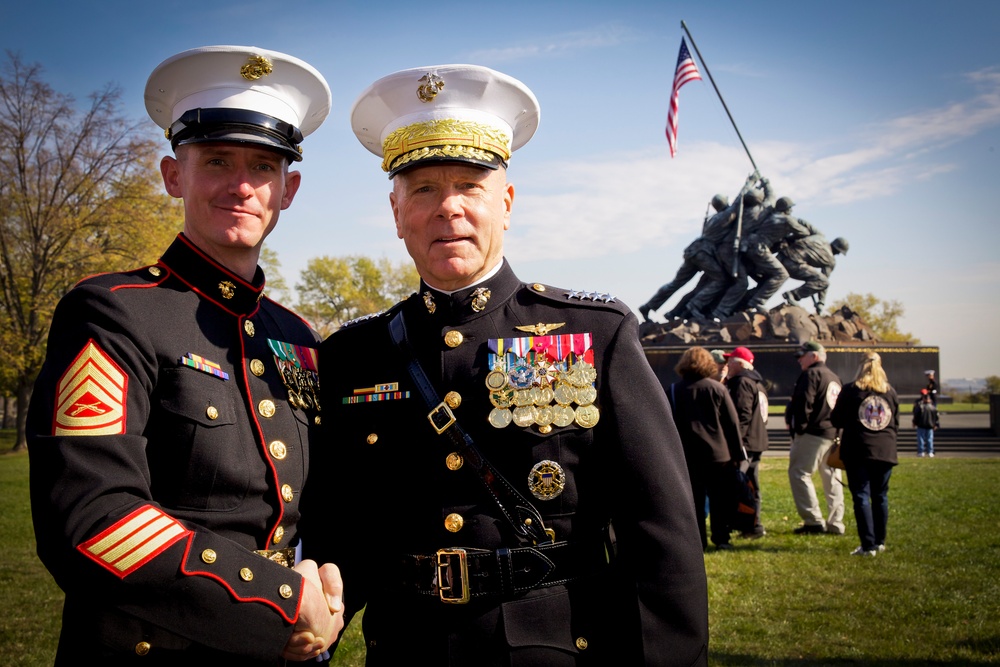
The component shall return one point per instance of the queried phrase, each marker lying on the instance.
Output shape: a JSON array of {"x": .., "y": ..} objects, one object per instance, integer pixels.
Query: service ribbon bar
[{"x": 202, "y": 364}]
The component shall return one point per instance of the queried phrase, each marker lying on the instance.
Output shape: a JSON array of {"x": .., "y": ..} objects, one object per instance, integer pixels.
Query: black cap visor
[{"x": 237, "y": 126}]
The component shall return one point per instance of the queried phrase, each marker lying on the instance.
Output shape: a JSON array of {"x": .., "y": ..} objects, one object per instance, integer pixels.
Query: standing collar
[
  {"x": 470, "y": 302},
  {"x": 212, "y": 280}
]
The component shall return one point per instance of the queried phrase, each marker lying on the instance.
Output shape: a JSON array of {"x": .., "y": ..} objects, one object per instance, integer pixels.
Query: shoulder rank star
[{"x": 540, "y": 329}]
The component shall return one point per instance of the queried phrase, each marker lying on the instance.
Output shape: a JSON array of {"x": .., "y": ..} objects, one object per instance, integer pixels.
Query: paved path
[{"x": 960, "y": 434}]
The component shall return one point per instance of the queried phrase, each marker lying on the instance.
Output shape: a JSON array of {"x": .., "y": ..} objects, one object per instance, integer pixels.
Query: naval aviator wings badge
[{"x": 543, "y": 381}]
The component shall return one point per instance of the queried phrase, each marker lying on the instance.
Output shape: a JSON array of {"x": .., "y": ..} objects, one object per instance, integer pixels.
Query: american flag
[{"x": 686, "y": 71}]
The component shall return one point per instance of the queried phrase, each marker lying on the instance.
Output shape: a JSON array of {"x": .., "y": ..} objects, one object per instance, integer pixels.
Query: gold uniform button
[
  {"x": 453, "y": 523},
  {"x": 248, "y": 327},
  {"x": 279, "y": 533},
  {"x": 453, "y": 399},
  {"x": 142, "y": 648},
  {"x": 581, "y": 643},
  {"x": 316, "y": 420},
  {"x": 212, "y": 412},
  {"x": 286, "y": 493},
  {"x": 278, "y": 449},
  {"x": 538, "y": 287},
  {"x": 257, "y": 367},
  {"x": 372, "y": 438},
  {"x": 454, "y": 461},
  {"x": 453, "y": 338},
  {"x": 155, "y": 271},
  {"x": 246, "y": 574},
  {"x": 266, "y": 408},
  {"x": 285, "y": 591},
  {"x": 209, "y": 556}
]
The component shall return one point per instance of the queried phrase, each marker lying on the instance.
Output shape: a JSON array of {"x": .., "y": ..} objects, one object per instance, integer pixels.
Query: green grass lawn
[{"x": 932, "y": 598}]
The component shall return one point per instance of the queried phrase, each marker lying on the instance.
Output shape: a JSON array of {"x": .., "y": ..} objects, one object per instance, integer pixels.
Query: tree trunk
[{"x": 24, "y": 387}]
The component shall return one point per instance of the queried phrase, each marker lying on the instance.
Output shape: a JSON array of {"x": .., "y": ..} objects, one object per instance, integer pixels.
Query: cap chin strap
[{"x": 203, "y": 122}]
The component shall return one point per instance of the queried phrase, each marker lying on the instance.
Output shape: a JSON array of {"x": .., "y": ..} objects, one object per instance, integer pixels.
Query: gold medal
[
  {"x": 522, "y": 398},
  {"x": 502, "y": 399},
  {"x": 543, "y": 416},
  {"x": 500, "y": 418},
  {"x": 563, "y": 415},
  {"x": 496, "y": 380},
  {"x": 586, "y": 395},
  {"x": 545, "y": 396},
  {"x": 564, "y": 393},
  {"x": 524, "y": 415},
  {"x": 587, "y": 416},
  {"x": 546, "y": 480}
]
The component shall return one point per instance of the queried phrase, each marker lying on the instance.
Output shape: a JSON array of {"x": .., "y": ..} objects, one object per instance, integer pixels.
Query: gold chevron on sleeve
[
  {"x": 91, "y": 395},
  {"x": 134, "y": 541}
]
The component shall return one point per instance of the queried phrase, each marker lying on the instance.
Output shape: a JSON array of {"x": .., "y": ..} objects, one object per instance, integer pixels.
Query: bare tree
[{"x": 79, "y": 194}]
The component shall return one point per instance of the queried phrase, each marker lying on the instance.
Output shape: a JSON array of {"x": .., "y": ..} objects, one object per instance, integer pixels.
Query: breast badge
[
  {"x": 546, "y": 480},
  {"x": 542, "y": 381}
]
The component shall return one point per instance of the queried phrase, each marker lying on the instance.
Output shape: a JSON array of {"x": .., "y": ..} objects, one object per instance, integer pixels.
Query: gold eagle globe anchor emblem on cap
[
  {"x": 430, "y": 85},
  {"x": 256, "y": 67}
]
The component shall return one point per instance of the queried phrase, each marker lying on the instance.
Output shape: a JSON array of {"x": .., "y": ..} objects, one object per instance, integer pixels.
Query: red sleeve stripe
[{"x": 132, "y": 542}]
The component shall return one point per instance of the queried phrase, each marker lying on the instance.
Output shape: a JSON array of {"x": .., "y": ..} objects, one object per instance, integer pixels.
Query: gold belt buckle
[
  {"x": 446, "y": 576},
  {"x": 433, "y": 413}
]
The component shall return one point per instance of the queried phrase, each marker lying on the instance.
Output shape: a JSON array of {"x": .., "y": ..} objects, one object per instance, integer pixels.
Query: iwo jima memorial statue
[{"x": 756, "y": 237}]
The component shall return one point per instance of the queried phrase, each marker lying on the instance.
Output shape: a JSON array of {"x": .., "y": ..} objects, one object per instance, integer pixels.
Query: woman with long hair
[
  {"x": 867, "y": 412},
  {"x": 709, "y": 428}
]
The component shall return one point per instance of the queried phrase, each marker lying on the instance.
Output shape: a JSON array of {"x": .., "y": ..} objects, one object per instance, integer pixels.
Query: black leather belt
[{"x": 457, "y": 575}]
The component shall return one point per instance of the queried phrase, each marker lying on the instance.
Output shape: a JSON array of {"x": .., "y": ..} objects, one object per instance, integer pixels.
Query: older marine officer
[
  {"x": 537, "y": 509},
  {"x": 170, "y": 423}
]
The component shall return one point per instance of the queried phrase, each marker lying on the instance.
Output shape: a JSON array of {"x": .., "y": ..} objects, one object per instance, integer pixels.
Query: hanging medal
[
  {"x": 298, "y": 367},
  {"x": 542, "y": 381}
]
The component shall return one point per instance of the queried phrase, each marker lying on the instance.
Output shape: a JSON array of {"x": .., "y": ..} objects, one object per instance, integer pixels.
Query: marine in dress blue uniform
[
  {"x": 170, "y": 424},
  {"x": 536, "y": 509}
]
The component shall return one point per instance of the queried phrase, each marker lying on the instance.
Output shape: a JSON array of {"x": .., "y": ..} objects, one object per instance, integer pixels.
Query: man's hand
[{"x": 321, "y": 613}]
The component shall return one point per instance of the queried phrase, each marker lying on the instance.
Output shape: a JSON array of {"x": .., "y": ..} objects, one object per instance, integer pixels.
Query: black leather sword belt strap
[
  {"x": 458, "y": 575},
  {"x": 518, "y": 510}
]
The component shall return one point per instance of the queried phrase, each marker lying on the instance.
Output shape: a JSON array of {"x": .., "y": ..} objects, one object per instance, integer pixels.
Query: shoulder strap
[{"x": 524, "y": 518}]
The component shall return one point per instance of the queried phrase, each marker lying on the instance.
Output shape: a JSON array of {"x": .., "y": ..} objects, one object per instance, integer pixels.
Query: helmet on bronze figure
[
  {"x": 839, "y": 246},
  {"x": 752, "y": 198},
  {"x": 784, "y": 204},
  {"x": 720, "y": 202}
]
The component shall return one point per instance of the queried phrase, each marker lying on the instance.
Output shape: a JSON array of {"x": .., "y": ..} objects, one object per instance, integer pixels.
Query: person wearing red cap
[{"x": 749, "y": 394}]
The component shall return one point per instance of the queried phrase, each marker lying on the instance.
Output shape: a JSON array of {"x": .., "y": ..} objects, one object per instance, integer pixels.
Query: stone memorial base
[{"x": 775, "y": 336}]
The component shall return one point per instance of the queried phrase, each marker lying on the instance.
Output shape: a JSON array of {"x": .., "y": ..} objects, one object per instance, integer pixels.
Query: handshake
[{"x": 321, "y": 612}]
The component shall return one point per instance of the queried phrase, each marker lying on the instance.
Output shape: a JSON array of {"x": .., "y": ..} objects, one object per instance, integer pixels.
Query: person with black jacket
[
  {"x": 808, "y": 419},
  {"x": 749, "y": 394},
  {"x": 710, "y": 433},
  {"x": 867, "y": 411},
  {"x": 516, "y": 486}
]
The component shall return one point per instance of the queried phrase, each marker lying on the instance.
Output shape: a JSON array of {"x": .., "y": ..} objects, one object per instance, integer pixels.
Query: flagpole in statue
[
  {"x": 709, "y": 73},
  {"x": 739, "y": 217}
]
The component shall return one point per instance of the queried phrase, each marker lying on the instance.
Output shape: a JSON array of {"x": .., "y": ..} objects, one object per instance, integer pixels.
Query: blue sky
[{"x": 881, "y": 119}]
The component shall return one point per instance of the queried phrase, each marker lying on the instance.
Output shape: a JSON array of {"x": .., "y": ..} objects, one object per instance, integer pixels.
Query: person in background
[
  {"x": 932, "y": 386},
  {"x": 719, "y": 357},
  {"x": 867, "y": 412},
  {"x": 710, "y": 431},
  {"x": 926, "y": 421},
  {"x": 516, "y": 483},
  {"x": 170, "y": 425},
  {"x": 808, "y": 420},
  {"x": 749, "y": 394}
]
